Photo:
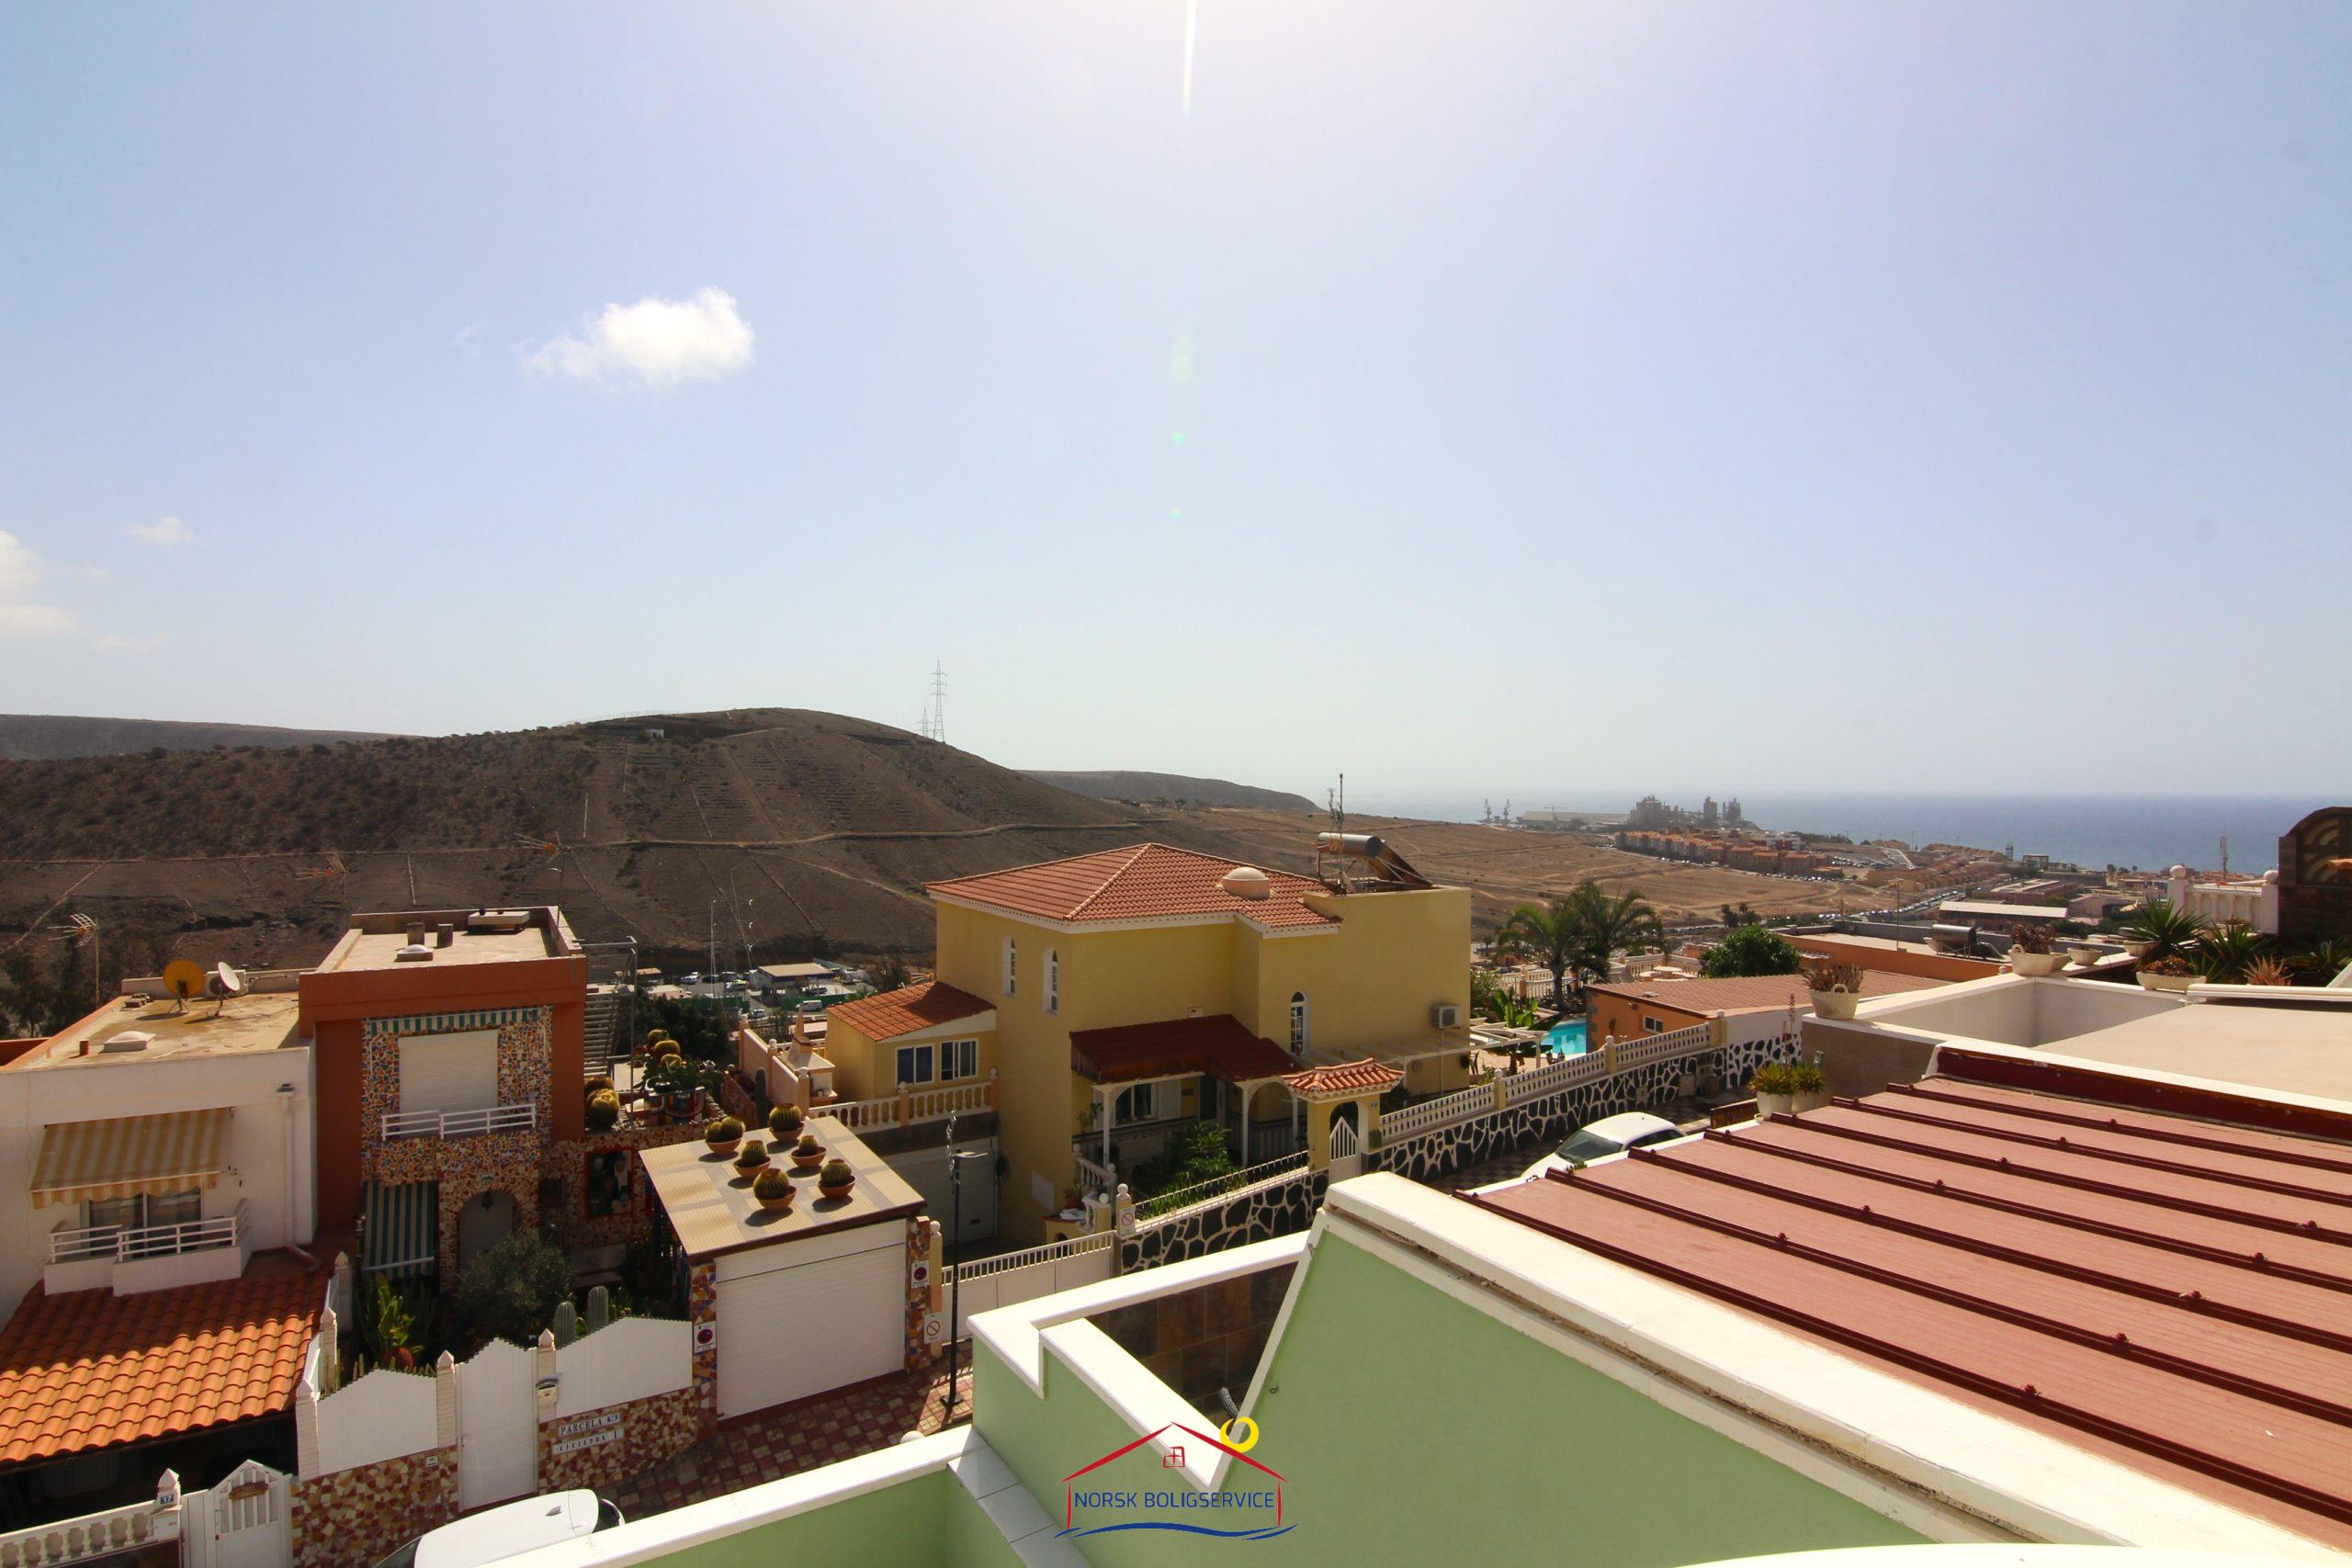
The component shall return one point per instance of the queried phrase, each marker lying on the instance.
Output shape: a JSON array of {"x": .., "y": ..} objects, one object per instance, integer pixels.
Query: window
[
  {"x": 114, "y": 1213},
  {"x": 914, "y": 1063},
  {"x": 138, "y": 1213},
  {"x": 1136, "y": 1103},
  {"x": 1298, "y": 1023},
  {"x": 1053, "y": 981},
  {"x": 1011, "y": 969},
  {"x": 959, "y": 1059},
  {"x": 1652, "y": 1025}
]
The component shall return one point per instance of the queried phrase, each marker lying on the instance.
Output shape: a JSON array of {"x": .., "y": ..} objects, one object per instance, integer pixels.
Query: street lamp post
[{"x": 955, "y": 1158}]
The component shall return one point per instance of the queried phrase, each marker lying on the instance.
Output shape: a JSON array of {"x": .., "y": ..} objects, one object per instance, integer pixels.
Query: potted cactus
[
  {"x": 724, "y": 1135},
  {"x": 604, "y": 1110},
  {"x": 753, "y": 1158},
  {"x": 808, "y": 1154},
  {"x": 784, "y": 1121},
  {"x": 773, "y": 1189},
  {"x": 836, "y": 1178},
  {"x": 1836, "y": 987},
  {"x": 2034, "y": 952}
]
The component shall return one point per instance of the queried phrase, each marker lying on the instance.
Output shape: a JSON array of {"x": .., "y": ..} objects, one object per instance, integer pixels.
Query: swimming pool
[{"x": 1564, "y": 1038}]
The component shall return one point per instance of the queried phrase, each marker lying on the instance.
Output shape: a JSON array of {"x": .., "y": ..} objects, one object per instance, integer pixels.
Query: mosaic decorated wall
[
  {"x": 702, "y": 1311},
  {"x": 358, "y": 1515},
  {"x": 920, "y": 1243},
  {"x": 465, "y": 1166},
  {"x": 601, "y": 1448}
]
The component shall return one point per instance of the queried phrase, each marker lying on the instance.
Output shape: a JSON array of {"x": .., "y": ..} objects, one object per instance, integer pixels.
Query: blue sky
[{"x": 1478, "y": 397}]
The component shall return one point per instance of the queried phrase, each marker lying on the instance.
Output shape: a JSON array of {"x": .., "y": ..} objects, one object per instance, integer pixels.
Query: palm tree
[
  {"x": 1609, "y": 924},
  {"x": 1551, "y": 937},
  {"x": 2169, "y": 932},
  {"x": 2224, "y": 953}
]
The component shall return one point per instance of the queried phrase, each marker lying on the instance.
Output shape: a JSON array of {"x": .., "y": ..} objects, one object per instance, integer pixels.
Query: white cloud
[
  {"x": 162, "y": 530},
  {"x": 20, "y": 575},
  {"x": 654, "y": 343},
  {"x": 111, "y": 643}
]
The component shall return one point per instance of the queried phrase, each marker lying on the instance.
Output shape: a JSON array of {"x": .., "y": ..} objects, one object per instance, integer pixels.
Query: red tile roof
[
  {"x": 2173, "y": 1293},
  {"x": 902, "y": 1012},
  {"x": 1218, "y": 1044},
  {"x": 1345, "y": 1078},
  {"x": 1140, "y": 882},
  {"x": 91, "y": 1370},
  {"x": 1753, "y": 993}
]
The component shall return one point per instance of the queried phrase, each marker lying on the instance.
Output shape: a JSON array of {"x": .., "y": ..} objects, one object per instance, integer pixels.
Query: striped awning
[
  {"x": 403, "y": 1234},
  {"x": 126, "y": 1154}
]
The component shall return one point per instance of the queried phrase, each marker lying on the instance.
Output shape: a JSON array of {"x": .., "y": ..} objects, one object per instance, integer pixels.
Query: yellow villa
[{"x": 1124, "y": 996}]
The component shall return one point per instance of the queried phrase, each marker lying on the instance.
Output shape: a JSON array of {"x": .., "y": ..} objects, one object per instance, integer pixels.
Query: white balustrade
[
  {"x": 93, "y": 1537},
  {"x": 460, "y": 1123},
  {"x": 124, "y": 1242},
  {"x": 1219, "y": 1187},
  {"x": 1442, "y": 1111},
  {"x": 979, "y": 1268},
  {"x": 1094, "y": 1175}
]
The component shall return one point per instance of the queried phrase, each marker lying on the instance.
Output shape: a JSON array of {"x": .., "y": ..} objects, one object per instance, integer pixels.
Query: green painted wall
[
  {"x": 1412, "y": 1428},
  {"x": 928, "y": 1519}
]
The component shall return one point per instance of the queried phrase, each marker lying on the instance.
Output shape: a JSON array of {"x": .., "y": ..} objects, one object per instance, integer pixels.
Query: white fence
[
  {"x": 1224, "y": 1186},
  {"x": 124, "y": 1243},
  {"x": 96, "y": 1536},
  {"x": 636, "y": 1358},
  {"x": 987, "y": 1284},
  {"x": 459, "y": 1124},
  {"x": 1442, "y": 1111},
  {"x": 244, "y": 1522}
]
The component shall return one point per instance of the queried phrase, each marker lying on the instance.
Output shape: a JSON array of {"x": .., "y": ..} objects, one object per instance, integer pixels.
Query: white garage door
[
  {"x": 449, "y": 1072},
  {"x": 793, "y": 1332}
]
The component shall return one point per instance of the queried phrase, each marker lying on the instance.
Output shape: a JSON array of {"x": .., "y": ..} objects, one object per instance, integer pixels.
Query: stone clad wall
[
  {"x": 1551, "y": 1119},
  {"x": 651, "y": 1431},
  {"x": 1280, "y": 1207},
  {"x": 358, "y": 1515}
]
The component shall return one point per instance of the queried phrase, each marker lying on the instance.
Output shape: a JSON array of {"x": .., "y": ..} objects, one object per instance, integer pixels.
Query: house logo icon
[{"x": 1247, "y": 1505}]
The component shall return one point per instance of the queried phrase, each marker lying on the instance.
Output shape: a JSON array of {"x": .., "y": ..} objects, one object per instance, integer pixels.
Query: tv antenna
[
  {"x": 1337, "y": 801},
  {"x": 77, "y": 929},
  {"x": 334, "y": 868}
]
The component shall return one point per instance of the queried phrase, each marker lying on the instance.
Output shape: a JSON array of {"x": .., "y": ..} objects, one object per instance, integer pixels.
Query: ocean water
[{"x": 2147, "y": 831}]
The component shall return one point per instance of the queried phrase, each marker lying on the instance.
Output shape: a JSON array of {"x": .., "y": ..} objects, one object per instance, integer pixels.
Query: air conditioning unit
[{"x": 1446, "y": 1015}]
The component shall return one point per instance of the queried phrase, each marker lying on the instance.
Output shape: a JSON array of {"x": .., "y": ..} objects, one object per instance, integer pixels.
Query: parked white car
[
  {"x": 1609, "y": 1135},
  {"x": 507, "y": 1530}
]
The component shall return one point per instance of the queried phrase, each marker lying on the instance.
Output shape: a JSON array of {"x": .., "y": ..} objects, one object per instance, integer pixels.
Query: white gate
[
  {"x": 241, "y": 1523},
  {"x": 1345, "y": 1161},
  {"x": 498, "y": 1425}
]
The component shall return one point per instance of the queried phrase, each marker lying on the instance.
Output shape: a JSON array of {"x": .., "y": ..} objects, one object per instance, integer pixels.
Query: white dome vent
[{"x": 1247, "y": 882}]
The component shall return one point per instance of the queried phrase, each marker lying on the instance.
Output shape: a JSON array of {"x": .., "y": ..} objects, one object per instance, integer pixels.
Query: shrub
[
  {"x": 726, "y": 1130},
  {"x": 836, "y": 1173},
  {"x": 1773, "y": 1078},
  {"x": 2166, "y": 965},
  {"x": 1750, "y": 950},
  {"x": 784, "y": 1121},
  {"x": 604, "y": 1110},
  {"x": 1806, "y": 1077},
  {"x": 771, "y": 1183},
  {"x": 511, "y": 1290},
  {"x": 2032, "y": 938},
  {"x": 2269, "y": 971}
]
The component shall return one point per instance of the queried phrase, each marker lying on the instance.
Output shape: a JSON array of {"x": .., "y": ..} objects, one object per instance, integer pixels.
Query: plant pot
[
  {"x": 809, "y": 1165},
  {"x": 777, "y": 1205},
  {"x": 680, "y": 1103},
  {"x": 2087, "y": 956},
  {"x": 2166, "y": 982},
  {"x": 1772, "y": 1105},
  {"x": 1836, "y": 1004},
  {"x": 840, "y": 1191},
  {"x": 1811, "y": 1099},
  {"x": 2035, "y": 963},
  {"x": 727, "y": 1148},
  {"x": 2138, "y": 949}
]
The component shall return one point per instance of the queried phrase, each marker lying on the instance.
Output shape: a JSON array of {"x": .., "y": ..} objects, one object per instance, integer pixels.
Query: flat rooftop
[
  {"x": 263, "y": 1022},
  {"x": 2170, "y": 1294},
  {"x": 1754, "y": 993},
  {"x": 713, "y": 1211},
  {"x": 1991, "y": 910},
  {"x": 375, "y": 941},
  {"x": 2289, "y": 1050}
]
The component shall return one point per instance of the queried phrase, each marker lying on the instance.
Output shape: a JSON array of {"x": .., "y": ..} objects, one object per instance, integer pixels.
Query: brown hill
[
  {"x": 33, "y": 736},
  {"x": 1170, "y": 789}
]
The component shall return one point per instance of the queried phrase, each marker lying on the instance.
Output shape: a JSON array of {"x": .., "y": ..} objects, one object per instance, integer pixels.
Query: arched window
[
  {"x": 1298, "y": 1023},
  {"x": 1052, "y": 980},
  {"x": 1011, "y": 968}
]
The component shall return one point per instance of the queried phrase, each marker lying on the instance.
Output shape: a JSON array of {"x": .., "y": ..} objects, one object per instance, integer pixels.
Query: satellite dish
[
  {"x": 227, "y": 981},
  {"x": 185, "y": 979}
]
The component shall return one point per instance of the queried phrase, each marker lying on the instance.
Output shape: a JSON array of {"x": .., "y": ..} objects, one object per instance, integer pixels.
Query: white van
[{"x": 507, "y": 1530}]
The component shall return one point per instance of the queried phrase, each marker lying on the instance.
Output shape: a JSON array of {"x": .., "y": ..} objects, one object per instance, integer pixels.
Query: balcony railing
[
  {"x": 460, "y": 1123},
  {"x": 125, "y": 1243}
]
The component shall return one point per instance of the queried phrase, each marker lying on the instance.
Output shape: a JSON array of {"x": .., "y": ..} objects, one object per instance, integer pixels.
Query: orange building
[
  {"x": 1629, "y": 1009},
  {"x": 1892, "y": 957}
]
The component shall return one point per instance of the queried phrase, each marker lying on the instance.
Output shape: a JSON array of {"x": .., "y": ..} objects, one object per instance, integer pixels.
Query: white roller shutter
[
  {"x": 449, "y": 1072},
  {"x": 792, "y": 1332}
]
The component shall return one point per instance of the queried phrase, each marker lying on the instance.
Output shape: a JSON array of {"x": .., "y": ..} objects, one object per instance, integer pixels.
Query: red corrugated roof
[
  {"x": 1345, "y": 1078},
  {"x": 1218, "y": 1044},
  {"x": 2167, "y": 1291},
  {"x": 1139, "y": 882},
  {"x": 891, "y": 1014},
  {"x": 92, "y": 1369}
]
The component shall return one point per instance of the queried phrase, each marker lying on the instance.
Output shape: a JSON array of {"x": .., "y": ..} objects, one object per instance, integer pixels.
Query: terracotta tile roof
[
  {"x": 1754, "y": 993},
  {"x": 1140, "y": 882},
  {"x": 91, "y": 1370},
  {"x": 1345, "y": 1078},
  {"x": 1219, "y": 1043},
  {"x": 902, "y": 1012},
  {"x": 2170, "y": 1292}
]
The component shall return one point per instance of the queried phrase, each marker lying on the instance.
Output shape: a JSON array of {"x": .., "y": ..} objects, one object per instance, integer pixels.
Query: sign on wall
[{"x": 587, "y": 1432}]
